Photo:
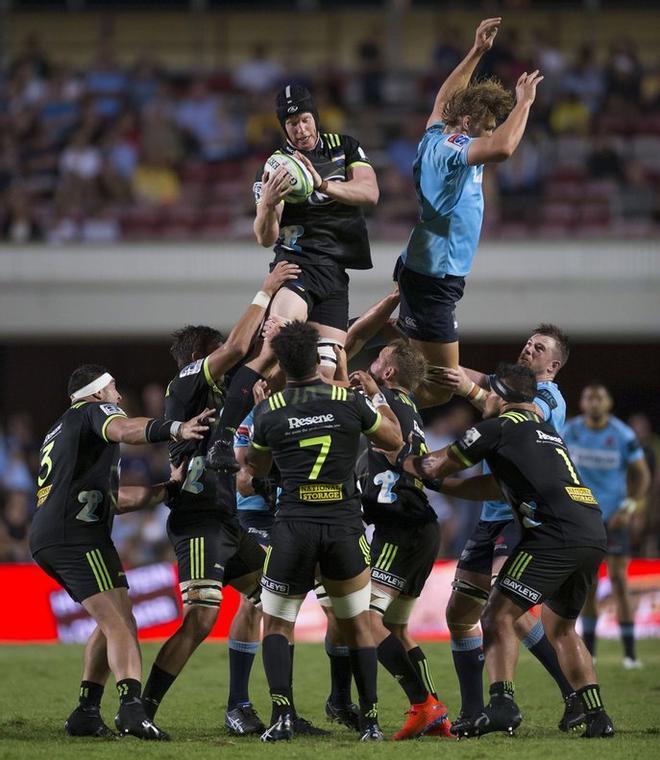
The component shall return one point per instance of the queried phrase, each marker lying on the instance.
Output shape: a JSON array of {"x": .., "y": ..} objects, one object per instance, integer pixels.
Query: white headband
[{"x": 94, "y": 387}]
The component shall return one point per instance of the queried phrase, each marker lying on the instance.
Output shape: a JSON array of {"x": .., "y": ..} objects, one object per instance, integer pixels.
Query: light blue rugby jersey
[
  {"x": 451, "y": 206},
  {"x": 602, "y": 458},
  {"x": 242, "y": 438},
  {"x": 551, "y": 403}
]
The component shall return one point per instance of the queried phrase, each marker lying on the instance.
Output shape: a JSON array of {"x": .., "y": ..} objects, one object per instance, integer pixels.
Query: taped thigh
[
  {"x": 283, "y": 607},
  {"x": 352, "y": 604},
  {"x": 398, "y": 613},
  {"x": 202, "y": 592}
]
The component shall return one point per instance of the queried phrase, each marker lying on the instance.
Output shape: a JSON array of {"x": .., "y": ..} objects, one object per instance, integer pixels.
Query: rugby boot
[
  {"x": 599, "y": 725},
  {"x": 463, "y": 725},
  {"x": 281, "y": 730},
  {"x": 371, "y": 732},
  {"x": 303, "y": 727},
  {"x": 348, "y": 714},
  {"x": 132, "y": 720},
  {"x": 500, "y": 714},
  {"x": 573, "y": 713},
  {"x": 220, "y": 457},
  {"x": 422, "y": 718},
  {"x": 87, "y": 721},
  {"x": 243, "y": 720}
]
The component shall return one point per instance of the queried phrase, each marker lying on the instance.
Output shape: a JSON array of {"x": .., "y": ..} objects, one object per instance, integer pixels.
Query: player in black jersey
[
  {"x": 325, "y": 235},
  {"x": 405, "y": 542},
  {"x": 563, "y": 542},
  {"x": 70, "y": 537},
  {"x": 312, "y": 430},
  {"x": 203, "y": 529}
]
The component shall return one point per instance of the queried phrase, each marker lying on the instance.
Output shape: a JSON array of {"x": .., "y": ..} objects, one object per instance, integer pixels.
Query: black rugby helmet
[{"x": 294, "y": 99}]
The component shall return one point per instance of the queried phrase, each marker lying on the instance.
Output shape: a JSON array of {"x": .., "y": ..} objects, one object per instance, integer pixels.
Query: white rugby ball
[{"x": 302, "y": 185}]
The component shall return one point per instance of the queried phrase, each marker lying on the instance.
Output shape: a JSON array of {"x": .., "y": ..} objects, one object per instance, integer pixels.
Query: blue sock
[
  {"x": 241, "y": 657},
  {"x": 589, "y": 633},
  {"x": 468, "y": 658}
]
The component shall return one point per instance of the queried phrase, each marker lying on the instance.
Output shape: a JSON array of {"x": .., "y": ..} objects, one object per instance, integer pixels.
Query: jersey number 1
[{"x": 324, "y": 441}]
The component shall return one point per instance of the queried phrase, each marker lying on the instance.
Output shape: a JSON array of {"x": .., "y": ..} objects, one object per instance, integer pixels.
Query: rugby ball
[{"x": 300, "y": 179}]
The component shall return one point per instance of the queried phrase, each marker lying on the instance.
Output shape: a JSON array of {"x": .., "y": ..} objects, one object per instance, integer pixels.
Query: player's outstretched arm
[
  {"x": 134, "y": 498},
  {"x": 478, "y": 488},
  {"x": 461, "y": 75},
  {"x": 505, "y": 139},
  {"x": 371, "y": 322},
  {"x": 360, "y": 188},
  {"x": 638, "y": 482},
  {"x": 274, "y": 188},
  {"x": 240, "y": 338},
  {"x": 137, "y": 430},
  {"x": 387, "y": 435}
]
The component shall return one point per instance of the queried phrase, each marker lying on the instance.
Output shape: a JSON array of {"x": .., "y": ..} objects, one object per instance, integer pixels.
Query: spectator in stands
[
  {"x": 569, "y": 115},
  {"x": 604, "y": 161},
  {"x": 106, "y": 82},
  {"x": 586, "y": 79},
  {"x": 32, "y": 53},
  {"x": 80, "y": 169},
  {"x": 155, "y": 183},
  {"x": 260, "y": 73},
  {"x": 59, "y": 110},
  {"x": 20, "y": 224},
  {"x": 370, "y": 74},
  {"x": 637, "y": 199},
  {"x": 623, "y": 71}
]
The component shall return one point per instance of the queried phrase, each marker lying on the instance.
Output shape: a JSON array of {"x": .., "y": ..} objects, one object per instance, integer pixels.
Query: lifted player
[
  {"x": 496, "y": 534},
  {"x": 70, "y": 538},
  {"x": 611, "y": 462},
  {"x": 405, "y": 542},
  {"x": 461, "y": 136},
  {"x": 203, "y": 528},
  {"x": 562, "y": 545},
  {"x": 312, "y": 430}
]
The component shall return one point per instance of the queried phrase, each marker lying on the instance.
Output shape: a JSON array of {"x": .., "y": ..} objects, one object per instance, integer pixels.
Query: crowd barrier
[{"x": 36, "y": 610}]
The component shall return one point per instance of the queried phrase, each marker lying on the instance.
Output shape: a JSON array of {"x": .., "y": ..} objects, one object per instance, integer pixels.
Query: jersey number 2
[
  {"x": 91, "y": 500},
  {"x": 324, "y": 441},
  {"x": 386, "y": 480}
]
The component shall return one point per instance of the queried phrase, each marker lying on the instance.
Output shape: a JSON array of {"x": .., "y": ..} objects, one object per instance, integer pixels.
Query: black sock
[
  {"x": 468, "y": 656},
  {"x": 537, "y": 643},
  {"x": 238, "y": 403},
  {"x": 292, "y": 649},
  {"x": 277, "y": 664},
  {"x": 419, "y": 661},
  {"x": 590, "y": 696},
  {"x": 340, "y": 674},
  {"x": 502, "y": 689},
  {"x": 90, "y": 694},
  {"x": 628, "y": 639},
  {"x": 393, "y": 657},
  {"x": 241, "y": 657},
  {"x": 129, "y": 690},
  {"x": 589, "y": 633},
  {"x": 157, "y": 685},
  {"x": 364, "y": 664}
]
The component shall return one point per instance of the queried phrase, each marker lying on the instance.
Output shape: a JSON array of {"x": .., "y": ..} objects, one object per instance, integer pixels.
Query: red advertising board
[{"x": 36, "y": 609}]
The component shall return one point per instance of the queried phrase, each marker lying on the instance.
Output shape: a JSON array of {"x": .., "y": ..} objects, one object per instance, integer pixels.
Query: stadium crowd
[
  {"x": 141, "y": 537},
  {"x": 138, "y": 150}
]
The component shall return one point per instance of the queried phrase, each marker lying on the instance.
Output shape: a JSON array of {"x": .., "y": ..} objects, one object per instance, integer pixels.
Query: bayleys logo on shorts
[
  {"x": 521, "y": 589},
  {"x": 298, "y": 422}
]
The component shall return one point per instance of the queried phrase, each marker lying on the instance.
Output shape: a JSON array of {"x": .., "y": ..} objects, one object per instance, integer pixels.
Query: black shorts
[
  {"x": 324, "y": 288},
  {"x": 618, "y": 541},
  {"x": 402, "y": 558},
  {"x": 427, "y": 310},
  {"x": 216, "y": 549},
  {"x": 259, "y": 524},
  {"x": 83, "y": 570},
  {"x": 297, "y": 547},
  {"x": 560, "y": 578},
  {"x": 489, "y": 539}
]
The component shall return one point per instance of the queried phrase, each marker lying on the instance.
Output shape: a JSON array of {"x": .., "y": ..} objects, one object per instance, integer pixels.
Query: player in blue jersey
[
  {"x": 497, "y": 533},
  {"x": 611, "y": 462},
  {"x": 461, "y": 136}
]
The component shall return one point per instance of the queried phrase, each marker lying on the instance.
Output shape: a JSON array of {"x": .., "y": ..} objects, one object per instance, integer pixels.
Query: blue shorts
[
  {"x": 618, "y": 541},
  {"x": 427, "y": 311},
  {"x": 489, "y": 539},
  {"x": 257, "y": 523}
]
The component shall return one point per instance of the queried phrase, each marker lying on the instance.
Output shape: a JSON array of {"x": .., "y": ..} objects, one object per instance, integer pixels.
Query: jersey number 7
[{"x": 324, "y": 441}]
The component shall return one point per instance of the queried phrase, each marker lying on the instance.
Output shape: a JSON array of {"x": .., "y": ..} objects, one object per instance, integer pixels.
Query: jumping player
[{"x": 461, "y": 136}]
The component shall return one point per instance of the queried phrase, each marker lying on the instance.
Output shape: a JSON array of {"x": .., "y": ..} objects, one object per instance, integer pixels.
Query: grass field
[{"x": 39, "y": 687}]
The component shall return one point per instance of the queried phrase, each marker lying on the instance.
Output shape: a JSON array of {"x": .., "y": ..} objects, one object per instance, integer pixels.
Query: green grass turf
[{"x": 39, "y": 687}]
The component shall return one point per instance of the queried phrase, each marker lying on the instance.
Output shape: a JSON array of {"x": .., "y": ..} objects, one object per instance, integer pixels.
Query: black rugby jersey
[
  {"x": 78, "y": 478},
  {"x": 322, "y": 230},
  {"x": 389, "y": 496},
  {"x": 538, "y": 478},
  {"x": 189, "y": 393},
  {"x": 313, "y": 432}
]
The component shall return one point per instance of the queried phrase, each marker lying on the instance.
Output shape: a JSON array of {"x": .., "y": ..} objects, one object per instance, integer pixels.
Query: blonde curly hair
[{"x": 480, "y": 100}]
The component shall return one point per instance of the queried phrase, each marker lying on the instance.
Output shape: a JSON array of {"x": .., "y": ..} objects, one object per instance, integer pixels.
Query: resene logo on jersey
[
  {"x": 550, "y": 438},
  {"x": 298, "y": 422}
]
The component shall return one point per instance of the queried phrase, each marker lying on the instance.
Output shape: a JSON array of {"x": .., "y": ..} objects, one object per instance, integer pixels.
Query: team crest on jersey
[
  {"x": 457, "y": 141},
  {"x": 470, "y": 437},
  {"x": 109, "y": 409},
  {"x": 192, "y": 369}
]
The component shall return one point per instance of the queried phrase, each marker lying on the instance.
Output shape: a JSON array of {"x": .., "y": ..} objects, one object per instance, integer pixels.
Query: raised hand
[
  {"x": 486, "y": 33},
  {"x": 526, "y": 87},
  {"x": 275, "y": 186},
  {"x": 282, "y": 272},
  {"x": 316, "y": 177},
  {"x": 363, "y": 380},
  {"x": 196, "y": 427}
]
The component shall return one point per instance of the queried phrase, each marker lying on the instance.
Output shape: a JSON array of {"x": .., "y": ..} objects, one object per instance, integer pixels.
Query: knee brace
[
  {"x": 206, "y": 593},
  {"x": 322, "y": 595},
  {"x": 456, "y": 619},
  {"x": 283, "y": 607},
  {"x": 254, "y": 596},
  {"x": 380, "y": 600},
  {"x": 466, "y": 588},
  {"x": 398, "y": 613},
  {"x": 326, "y": 352},
  {"x": 352, "y": 604}
]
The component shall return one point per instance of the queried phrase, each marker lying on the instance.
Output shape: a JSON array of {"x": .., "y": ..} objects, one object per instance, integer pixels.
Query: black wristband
[
  {"x": 172, "y": 489},
  {"x": 433, "y": 485},
  {"x": 158, "y": 430},
  {"x": 406, "y": 450}
]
